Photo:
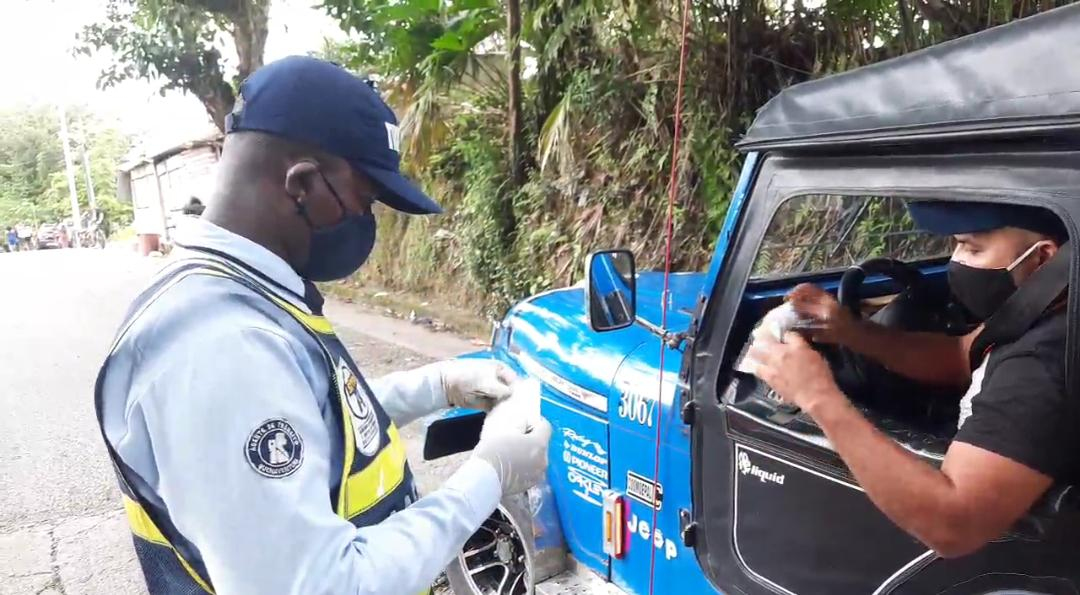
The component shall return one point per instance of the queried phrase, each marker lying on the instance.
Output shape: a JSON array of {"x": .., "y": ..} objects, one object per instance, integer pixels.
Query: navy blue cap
[
  {"x": 951, "y": 218},
  {"x": 321, "y": 104}
]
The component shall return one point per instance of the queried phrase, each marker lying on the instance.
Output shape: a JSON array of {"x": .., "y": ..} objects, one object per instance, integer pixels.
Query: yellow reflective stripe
[
  {"x": 140, "y": 523},
  {"x": 350, "y": 447},
  {"x": 144, "y": 528},
  {"x": 371, "y": 484},
  {"x": 319, "y": 324}
]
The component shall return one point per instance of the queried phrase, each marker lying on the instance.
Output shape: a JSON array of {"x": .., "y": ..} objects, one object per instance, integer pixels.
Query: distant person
[
  {"x": 194, "y": 207},
  {"x": 12, "y": 239},
  {"x": 26, "y": 236}
]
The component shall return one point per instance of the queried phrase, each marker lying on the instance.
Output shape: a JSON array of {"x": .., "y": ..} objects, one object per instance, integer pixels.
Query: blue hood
[
  {"x": 552, "y": 329},
  {"x": 684, "y": 287}
]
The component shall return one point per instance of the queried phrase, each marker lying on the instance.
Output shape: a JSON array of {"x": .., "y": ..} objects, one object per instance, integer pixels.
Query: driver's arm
[
  {"x": 1002, "y": 461},
  {"x": 933, "y": 358},
  {"x": 975, "y": 497}
]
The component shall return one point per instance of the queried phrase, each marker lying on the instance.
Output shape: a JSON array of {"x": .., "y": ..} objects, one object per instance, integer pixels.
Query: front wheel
[
  {"x": 519, "y": 545},
  {"x": 494, "y": 560}
]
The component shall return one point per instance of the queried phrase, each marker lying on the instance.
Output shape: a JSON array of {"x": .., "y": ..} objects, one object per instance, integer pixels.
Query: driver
[{"x": 1018, "y": 432}]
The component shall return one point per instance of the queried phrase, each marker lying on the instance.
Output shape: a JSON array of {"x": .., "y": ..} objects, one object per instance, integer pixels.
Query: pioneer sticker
[{"x": 644, "y": 490}]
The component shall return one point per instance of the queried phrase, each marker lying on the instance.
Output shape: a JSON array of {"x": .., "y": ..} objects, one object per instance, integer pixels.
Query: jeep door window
[
  {"x": 818, "y": 233},
  {"x": 824, "y": 238}
]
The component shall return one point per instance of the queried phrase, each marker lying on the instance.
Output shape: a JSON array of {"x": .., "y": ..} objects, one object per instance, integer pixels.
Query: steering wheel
[
  {"x": 915, "y": 308},
  {"x": 896, "y": 314}
]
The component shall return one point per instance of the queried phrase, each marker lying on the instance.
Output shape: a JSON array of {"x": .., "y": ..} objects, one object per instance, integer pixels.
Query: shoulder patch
[{"x": 274, "y": 449}]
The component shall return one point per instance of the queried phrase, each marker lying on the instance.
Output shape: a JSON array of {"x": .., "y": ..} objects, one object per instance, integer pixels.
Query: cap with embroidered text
[{"x": 321, "y": 104}]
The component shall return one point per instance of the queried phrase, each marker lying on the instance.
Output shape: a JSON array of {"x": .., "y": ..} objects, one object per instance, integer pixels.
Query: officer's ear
[{"x": 300, "y": 179}]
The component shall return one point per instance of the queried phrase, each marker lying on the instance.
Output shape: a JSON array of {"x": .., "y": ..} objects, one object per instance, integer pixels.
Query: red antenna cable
[{"x": 673, "y": 188}]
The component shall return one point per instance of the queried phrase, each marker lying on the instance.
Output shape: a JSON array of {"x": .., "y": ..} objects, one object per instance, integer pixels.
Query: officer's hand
[
  {"x": 514, "y": 441},
  {"x": 476, "y": 384}
]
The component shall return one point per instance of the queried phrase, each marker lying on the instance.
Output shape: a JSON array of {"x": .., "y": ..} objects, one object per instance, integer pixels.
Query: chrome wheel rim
[{"x": 494, "y": 558}]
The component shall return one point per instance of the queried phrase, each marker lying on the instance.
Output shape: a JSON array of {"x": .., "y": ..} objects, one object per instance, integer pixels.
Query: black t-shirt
[{"x": 1023, "y": 411}]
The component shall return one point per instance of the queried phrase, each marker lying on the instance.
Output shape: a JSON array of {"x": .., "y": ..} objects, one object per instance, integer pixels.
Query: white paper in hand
[
  {"x": 515, "y": 439},
  {"x": 777, "y": 322},
  {"x": 518, "y": 413}
]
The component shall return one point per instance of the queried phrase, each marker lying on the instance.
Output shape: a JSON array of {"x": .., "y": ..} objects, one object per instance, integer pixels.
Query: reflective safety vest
[{"x": 375, "y": 480}]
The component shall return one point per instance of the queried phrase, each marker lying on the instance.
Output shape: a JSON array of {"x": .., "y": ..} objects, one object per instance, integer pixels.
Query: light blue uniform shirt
[{"x": 199, "y": 371}]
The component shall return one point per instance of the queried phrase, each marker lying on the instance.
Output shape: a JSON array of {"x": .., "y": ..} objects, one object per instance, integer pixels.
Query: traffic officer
[
  {"x": 253, "y": 455},
  {"x": 1017, "y": 425}
]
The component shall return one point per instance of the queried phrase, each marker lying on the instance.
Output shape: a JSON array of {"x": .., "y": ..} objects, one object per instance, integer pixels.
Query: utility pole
[
  {"x": 76, "y": 215},
  {"x": 89, "y": 180}
]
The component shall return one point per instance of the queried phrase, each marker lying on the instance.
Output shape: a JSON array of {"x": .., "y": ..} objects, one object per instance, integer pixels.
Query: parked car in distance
[{"x": 48, "y": 236}]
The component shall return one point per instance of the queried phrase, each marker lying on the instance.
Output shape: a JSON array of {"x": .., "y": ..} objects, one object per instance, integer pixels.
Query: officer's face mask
[
  {"x": 983, "y": 291},
  {"x": 339, "y": 250}
]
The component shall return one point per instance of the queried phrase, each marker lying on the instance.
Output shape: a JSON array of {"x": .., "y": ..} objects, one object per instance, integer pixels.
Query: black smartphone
[{"x": 451, "y": 435}]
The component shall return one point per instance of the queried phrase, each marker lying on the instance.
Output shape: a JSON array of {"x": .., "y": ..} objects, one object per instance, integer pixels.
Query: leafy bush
[{"x": 599, "y": 97}]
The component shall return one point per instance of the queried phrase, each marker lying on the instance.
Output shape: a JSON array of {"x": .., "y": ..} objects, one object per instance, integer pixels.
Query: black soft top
[{"x": 1016, "y": 80}]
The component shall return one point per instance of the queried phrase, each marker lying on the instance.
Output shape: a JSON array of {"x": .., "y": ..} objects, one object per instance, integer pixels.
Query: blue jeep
[{"x": 750, "y": 497}]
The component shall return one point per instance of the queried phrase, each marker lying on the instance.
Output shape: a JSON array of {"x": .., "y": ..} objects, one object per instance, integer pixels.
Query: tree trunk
[
  {"x": 218, "y": 102},
  {"x": 513, "y": 114},
  {"x": 513, "y": 106},
  {"x": 907, "y": 26},
  {"x": 249, "y": 33},
  {"x": 954, "y": 21}
]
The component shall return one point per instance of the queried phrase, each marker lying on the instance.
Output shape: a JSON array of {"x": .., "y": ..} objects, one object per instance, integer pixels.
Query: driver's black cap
[{"x": 951, "y": 218}]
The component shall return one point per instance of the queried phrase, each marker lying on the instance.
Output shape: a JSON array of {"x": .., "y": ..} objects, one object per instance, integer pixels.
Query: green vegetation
[
  {"x": 818, "y": 232},
  {"x": 176, "y": 44},
  {"x": 33, "y": 183},
  {"x": 598, "y": 101}
]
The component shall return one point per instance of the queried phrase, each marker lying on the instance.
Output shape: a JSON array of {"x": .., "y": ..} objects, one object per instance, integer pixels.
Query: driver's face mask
[
  {"x": 339, "y": 250},
  {"x": 983, "y": 291}
]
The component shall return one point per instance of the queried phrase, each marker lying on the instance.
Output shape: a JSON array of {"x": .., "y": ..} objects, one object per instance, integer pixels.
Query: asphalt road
[{"x": 61, "y": 531}]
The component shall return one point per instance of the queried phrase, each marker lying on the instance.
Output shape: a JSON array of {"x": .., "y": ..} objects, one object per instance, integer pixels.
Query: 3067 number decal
[{"x": 636, "y": 408}]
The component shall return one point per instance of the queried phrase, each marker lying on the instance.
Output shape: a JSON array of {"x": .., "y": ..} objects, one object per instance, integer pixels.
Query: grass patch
[{"x": 402, "y": 304}]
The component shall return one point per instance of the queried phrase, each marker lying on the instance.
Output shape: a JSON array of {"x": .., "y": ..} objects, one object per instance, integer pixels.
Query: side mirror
[{"x": 610, "y": 290}]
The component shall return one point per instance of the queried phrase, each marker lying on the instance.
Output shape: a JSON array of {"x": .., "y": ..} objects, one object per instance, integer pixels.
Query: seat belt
[{"x": 1025, "y": 306}]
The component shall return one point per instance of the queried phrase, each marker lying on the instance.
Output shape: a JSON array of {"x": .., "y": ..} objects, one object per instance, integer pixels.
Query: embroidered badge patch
[
  {"x": 274, "y": 449},
  {"x": 364, "y": 422}
]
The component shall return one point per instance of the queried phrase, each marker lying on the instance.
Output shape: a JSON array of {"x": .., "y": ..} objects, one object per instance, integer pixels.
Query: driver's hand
[
  {"x": 833, "y": 323},
  {"x": 798, "y": 373}
]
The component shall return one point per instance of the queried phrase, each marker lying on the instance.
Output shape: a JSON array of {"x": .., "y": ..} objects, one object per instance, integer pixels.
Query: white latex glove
[
  {"x": 514, "y": 440},
  {"x": 476, "y": 383}
]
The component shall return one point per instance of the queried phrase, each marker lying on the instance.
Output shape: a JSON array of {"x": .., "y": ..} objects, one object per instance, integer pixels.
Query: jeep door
[{"x": 775, "y": 508}]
